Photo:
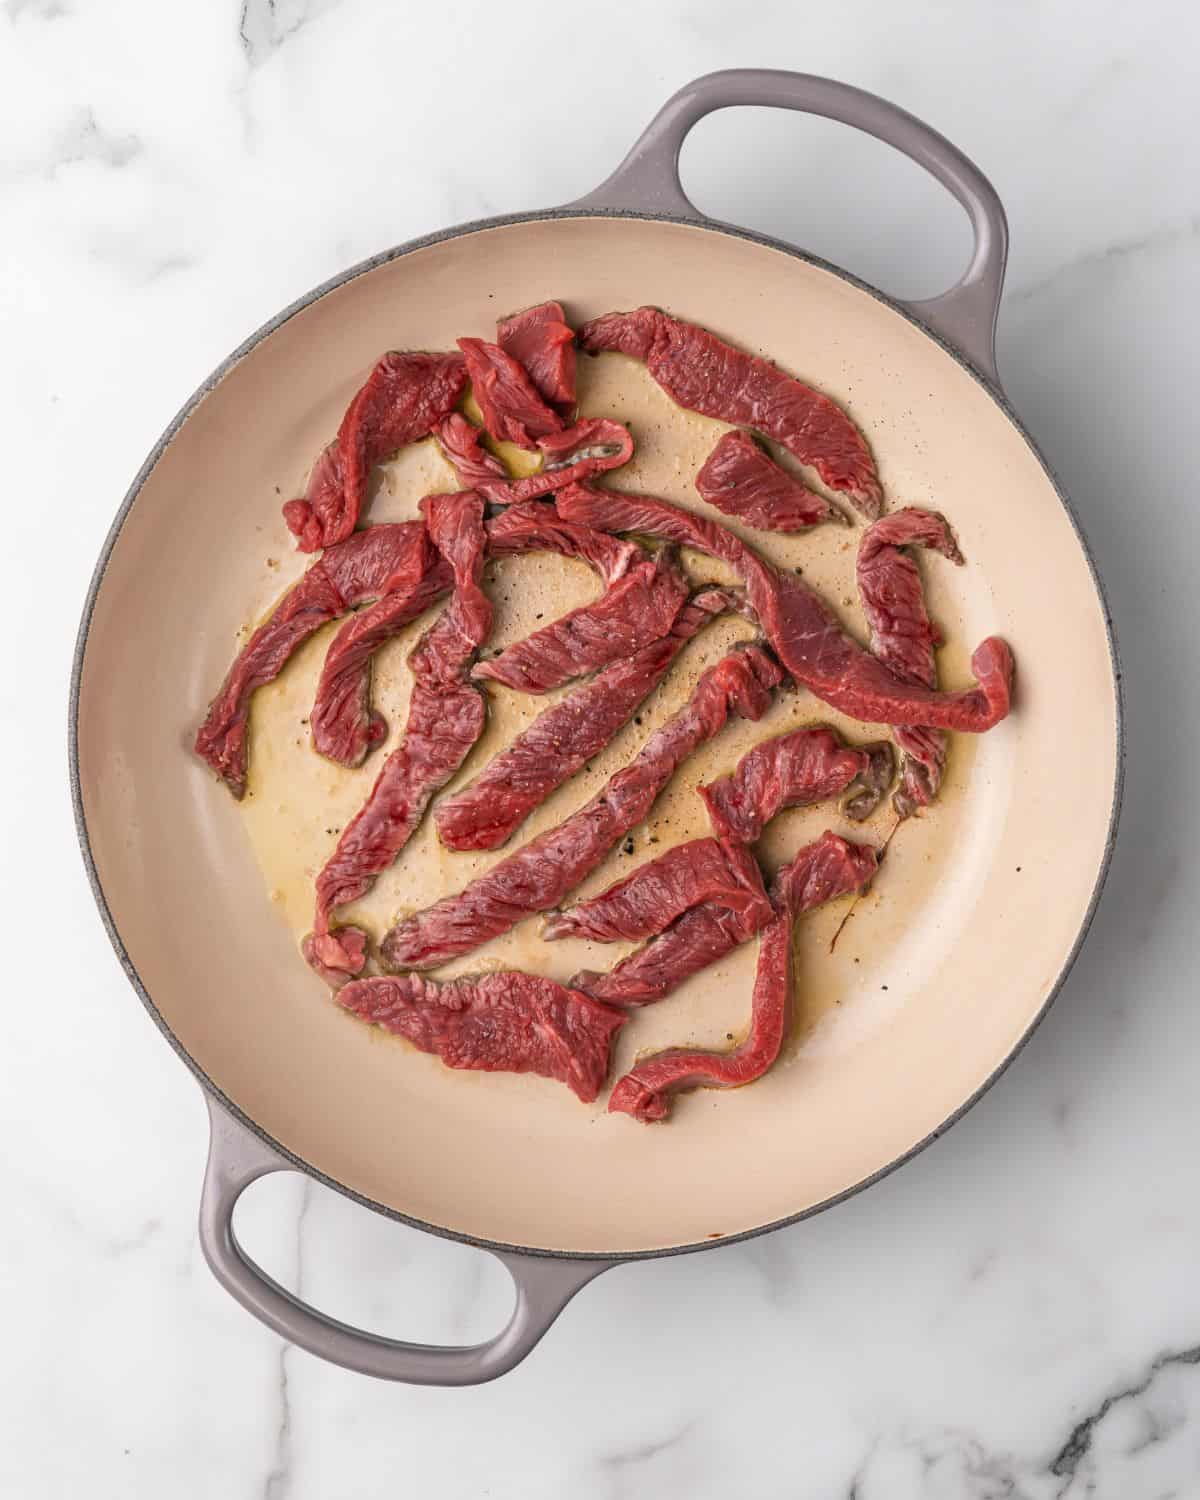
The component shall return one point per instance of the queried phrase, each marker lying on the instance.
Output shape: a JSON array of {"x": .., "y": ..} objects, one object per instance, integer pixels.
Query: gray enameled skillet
[{"x": 557, "y": 1193}]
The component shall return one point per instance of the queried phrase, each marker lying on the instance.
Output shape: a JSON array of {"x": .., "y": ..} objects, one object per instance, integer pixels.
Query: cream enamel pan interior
[{"x": 937, "y": 977}]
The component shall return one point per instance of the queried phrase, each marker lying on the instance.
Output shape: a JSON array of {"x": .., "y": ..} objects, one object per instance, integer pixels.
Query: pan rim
[{"x": 209, "y": 1085}]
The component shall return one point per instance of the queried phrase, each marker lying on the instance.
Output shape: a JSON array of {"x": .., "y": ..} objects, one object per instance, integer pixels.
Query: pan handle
[
  {"x": 544, "y": 1284},
  {"x": 648, "y": 181}
]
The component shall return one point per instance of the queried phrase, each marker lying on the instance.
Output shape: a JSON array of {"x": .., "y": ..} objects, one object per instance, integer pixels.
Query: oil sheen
[{"x": 298, "y": 803}]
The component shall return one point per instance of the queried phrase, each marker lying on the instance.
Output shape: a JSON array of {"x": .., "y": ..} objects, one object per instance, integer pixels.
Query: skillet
[{"x": 942, "y": 975}]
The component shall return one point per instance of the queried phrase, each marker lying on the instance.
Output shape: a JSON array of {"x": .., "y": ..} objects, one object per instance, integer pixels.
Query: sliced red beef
[
  {"x": 405, "y": 397},
  {"x": 700, "y": 937},
  {"x": 495, "y": 1023},
  {"x": 370, "y": 565},
  {"x": 825, "y": 869},
  {"x": 513, "y": 411},
  {"x": 595, "y": 443},
  {"x": 741, "y": 479},
  {"x": 793, "y": 770},
  {"x": 538, "y": 876},
  {"x": 700, "y": 371},
  {"x": 922, "y": 768},
  {"x": 902, "y": 635},
  {"x": 565, "y": 737},
  {"x": 461, "y": 444},
  {"x": 647, "y": 1091},
  {"x": 535, "y": 526},
  {"x": 803, "y": 630},
  {"x": 702, "y": 872},
  {"x": 363, "y": 567},
  {"x": 639, "y": 608},
  {"x": 445, "y": 718},
  {"x": 344, "y": 725},
  {"x": 541, "y": 340},
  {"x": 378, "y": 560},
  {"x": 221, "y": 740},
  {"x": 593, "y": 446}
]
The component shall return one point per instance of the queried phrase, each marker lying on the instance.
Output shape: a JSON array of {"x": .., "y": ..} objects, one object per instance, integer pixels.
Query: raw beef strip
[
  {"x": 535, "y": 526},
  {"x": 803, "y": 630},
  {"x": 794, "y": 770},
  {"x": 830, "y": 867},
  {"x": 902, "y": 635},
  {"x": 565, "y": 737},
  {"x": 368, "y": 565},
  {"x": 363, "y": 567},
  {"x": 593, "y": 446},
  {"x": 703, "y": 872},
  {"x": 698, "y": 938},
  {"x": 541, "y": 340},
  {"x": 739, "y": 478},
  {"x": 496, "y": 1023},
  {"x": 460, "y": 441},
  {"x": 344, "y": 725},
  {"x": 639, "y": 608},
  {"x": 707, "y": 933},
  {"x": 378, "y": 560},
  {"x": 513, "y": 412},
  {"x": 405, "y": 397},
  {"x": 445, "y": 718},
  {"x": 922, "y": 769},
  {"x": 699, "y": 371},
  {"x": 647, "y": 1091},
  {"x": 537, "y": 876},
  {"x": 815, "y": 874},
  {"x": 342, "y": 717}
]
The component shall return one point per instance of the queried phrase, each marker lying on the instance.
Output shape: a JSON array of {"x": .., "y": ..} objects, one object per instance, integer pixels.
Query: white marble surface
[{"x": 1015, "y": 1314}]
